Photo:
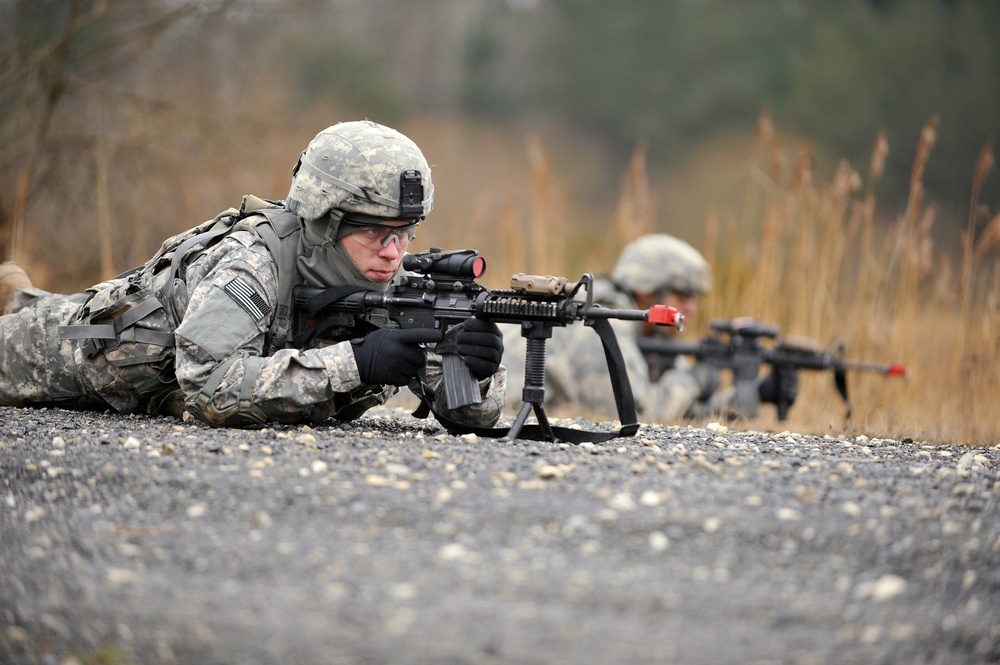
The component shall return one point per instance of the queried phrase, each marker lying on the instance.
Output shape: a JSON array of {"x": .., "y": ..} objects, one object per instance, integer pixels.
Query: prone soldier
[
  {"x": 653, "y": 269},
  {"x": 203, "y": 326}
]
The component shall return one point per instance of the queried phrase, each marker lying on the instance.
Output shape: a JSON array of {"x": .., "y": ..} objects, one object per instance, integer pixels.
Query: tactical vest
[
  {"x": 126, "y": 326},
  {"x": 272, "y": 223}
]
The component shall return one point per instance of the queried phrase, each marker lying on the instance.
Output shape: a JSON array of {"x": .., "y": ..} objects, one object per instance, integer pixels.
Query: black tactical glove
[
  {"x": 391, "y": 356},
  {"x": 779, "y": 385},
  {"x": 480, "y": 344}
]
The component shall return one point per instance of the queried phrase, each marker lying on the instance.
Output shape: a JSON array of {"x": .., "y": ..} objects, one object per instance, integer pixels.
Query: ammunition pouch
[
  {"x": 362, "y": 399},
  {"x": 127, "y": 340},
  {"x": 240, "y": 413}
]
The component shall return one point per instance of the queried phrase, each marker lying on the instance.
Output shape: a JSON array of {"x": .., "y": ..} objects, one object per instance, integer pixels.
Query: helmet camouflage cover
[
  {"x": 361, "y": 168},
  {"x": 657, "y": 263}
]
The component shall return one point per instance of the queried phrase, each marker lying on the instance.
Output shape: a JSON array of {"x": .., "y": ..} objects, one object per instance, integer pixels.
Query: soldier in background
[
  {"x": 203, "y": 326},
  {"x": 654, "y": 269}
]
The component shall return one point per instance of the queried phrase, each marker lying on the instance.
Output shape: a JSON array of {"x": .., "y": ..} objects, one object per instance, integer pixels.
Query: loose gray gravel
[{"x": 129, "y": 540}]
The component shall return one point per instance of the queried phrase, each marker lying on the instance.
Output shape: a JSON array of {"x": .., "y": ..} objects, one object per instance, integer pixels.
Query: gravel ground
[{"x": 129, "y": 540}]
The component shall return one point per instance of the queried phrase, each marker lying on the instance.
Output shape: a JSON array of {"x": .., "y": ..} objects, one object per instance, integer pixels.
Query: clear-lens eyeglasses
[{"x": 373, "y": 235}]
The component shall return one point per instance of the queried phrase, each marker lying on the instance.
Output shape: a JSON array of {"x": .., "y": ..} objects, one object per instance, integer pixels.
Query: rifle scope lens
[
  {"x": 461, "y": 265},
  {"x": 452, "y": 264}
]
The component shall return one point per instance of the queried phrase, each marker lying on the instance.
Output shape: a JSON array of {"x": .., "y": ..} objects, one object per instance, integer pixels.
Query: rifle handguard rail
[{"x": 440, "y": 292}]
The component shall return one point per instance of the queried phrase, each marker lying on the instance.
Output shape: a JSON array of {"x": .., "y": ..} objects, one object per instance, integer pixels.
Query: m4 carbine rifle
[
  {"x": 736, "y": 345},
  {"x": 439, "y": 291}
]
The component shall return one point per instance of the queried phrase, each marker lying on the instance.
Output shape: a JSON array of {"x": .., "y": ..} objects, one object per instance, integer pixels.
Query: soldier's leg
[
  {"x": 12, "y": 278},
  {"x": 36, "y": 366}
]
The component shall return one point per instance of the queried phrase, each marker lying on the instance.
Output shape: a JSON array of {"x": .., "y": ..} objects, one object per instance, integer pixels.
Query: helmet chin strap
[
  {"x": 333, "y": 227},
  {"x": 323, "y": 261}
]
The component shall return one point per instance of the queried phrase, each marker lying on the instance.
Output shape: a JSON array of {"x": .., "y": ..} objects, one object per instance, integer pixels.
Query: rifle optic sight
[{"x": 461, "y": 263}]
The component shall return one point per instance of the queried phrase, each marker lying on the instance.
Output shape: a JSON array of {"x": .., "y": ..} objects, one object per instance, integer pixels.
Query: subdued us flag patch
[{"x": 247, "y": 298}]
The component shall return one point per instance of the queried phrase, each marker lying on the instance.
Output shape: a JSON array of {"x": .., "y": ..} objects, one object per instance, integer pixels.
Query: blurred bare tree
[
  {"x": 101, "y": 105},
  {"x": 121, "y": 121}
]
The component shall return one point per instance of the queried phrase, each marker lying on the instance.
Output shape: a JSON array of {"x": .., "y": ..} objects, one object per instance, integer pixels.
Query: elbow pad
[{"x": 240, "y": 412}]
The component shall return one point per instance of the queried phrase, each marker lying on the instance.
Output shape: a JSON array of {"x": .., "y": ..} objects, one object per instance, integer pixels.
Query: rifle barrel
[
  {"x": 889, "y": 369},
  {"x": 658, "y": 314}
]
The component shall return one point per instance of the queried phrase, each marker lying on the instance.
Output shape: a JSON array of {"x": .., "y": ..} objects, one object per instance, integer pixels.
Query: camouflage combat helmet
[
  {"x": 658, "y": 263},
  {"x": 364, "y": 171}
]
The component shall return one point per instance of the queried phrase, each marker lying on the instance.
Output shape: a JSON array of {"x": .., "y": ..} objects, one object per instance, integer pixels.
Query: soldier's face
[
  {"x": 377, "y": 261},
  {"x": 685, "y": 303}
]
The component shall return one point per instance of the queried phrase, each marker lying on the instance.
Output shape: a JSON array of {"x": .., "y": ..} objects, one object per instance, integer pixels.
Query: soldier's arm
[
  {"x": 667, "y": 399},
  {"x": 664, "y": 400},
  {"x": 232, "y": 298},
  {"x": 677, "y": 393},
  {"x": 484, "y": 414}
]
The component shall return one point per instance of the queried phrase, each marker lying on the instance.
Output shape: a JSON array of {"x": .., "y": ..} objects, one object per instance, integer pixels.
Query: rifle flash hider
[{"x": 662, "y": 315}]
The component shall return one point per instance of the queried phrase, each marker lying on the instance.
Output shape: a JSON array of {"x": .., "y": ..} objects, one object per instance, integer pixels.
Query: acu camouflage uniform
[
  {"x": 576, "y": 372},
  {"x": 203, "y": 326}
]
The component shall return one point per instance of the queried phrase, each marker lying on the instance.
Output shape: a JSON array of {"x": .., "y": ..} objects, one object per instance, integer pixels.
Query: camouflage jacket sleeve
[
  {"x": 231, "y": 301},
  {"x": 485, "y": 414}
]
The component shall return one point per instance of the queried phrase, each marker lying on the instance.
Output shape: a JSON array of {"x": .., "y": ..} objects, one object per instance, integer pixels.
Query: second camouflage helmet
[
  {"x": 361, "y": 168},
  {"x": 657, "y": 263}
]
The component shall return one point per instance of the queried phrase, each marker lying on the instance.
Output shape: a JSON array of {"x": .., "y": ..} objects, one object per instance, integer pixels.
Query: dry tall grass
[
  {"x": 820, "y": 260},
  {"x": 811, "y": 258}
]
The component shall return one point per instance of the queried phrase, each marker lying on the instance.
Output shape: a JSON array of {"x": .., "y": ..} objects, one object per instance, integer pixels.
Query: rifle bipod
[{"x": 533, "y": 394}]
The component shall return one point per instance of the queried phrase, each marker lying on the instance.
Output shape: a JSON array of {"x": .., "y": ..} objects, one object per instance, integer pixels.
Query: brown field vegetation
[
  {"x": 816, "y": 257},
  {"x": 889, "y": 293},
  {"x": 812, "y": 258}
]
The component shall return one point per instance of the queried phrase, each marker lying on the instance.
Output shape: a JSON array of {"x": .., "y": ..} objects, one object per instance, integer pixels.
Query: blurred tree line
[
  {"x": 671, "y": 73},
  {"x": 147, "y": 84}
]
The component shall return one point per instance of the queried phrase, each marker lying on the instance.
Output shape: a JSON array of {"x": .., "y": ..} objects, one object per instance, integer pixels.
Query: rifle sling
[
  {"x": 840, "y": 381},
  {"x": 624, "y": 401},
  {"x": 301, "y": 335}
]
